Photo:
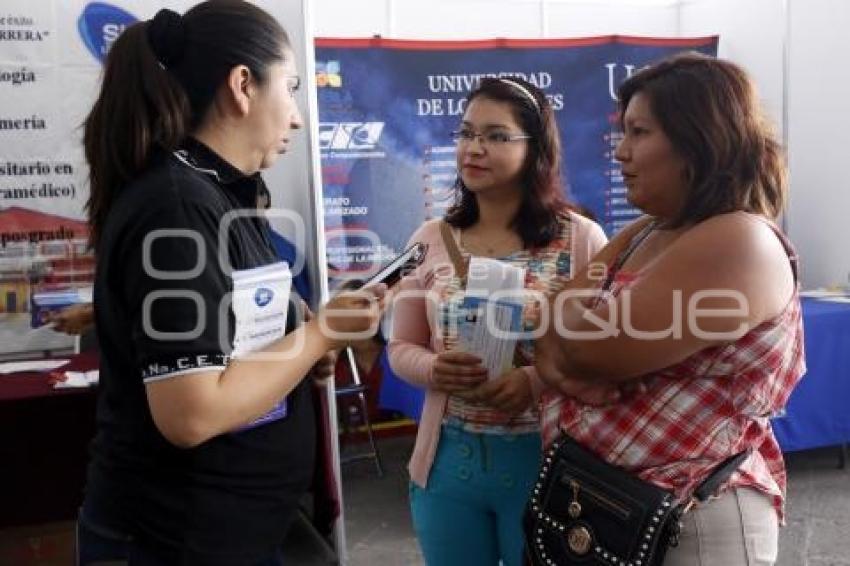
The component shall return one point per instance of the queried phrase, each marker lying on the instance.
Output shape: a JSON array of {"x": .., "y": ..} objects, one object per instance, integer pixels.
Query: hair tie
[
  {"x": 167, "y": 37},
  {"x": 523, "y": 90}
]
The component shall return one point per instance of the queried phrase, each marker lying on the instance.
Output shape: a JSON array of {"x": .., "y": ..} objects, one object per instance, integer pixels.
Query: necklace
[{"x": 489, "y": 248}]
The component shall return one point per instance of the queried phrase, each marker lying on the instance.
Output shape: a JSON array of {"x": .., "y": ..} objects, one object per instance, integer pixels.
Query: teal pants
[{"x": 471, "y": 512}]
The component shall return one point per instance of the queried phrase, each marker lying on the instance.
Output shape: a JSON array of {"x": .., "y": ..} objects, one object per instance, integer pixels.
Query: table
[
  {"x": 44, "y": 437},
  {"x": 818, "y": 412}
]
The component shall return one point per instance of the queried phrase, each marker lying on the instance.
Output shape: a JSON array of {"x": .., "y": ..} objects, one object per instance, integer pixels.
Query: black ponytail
[
  {"x": 159, "y": 81},
  {"x": 140, "y": 106}
]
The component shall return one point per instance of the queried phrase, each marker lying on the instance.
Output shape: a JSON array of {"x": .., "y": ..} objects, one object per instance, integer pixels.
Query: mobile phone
[{"x": 407, "y": 260}]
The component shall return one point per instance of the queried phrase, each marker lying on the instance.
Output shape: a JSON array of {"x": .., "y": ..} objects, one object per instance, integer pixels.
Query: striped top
[
  {"x": 416, "y": 342},
  {"x": 546, "y": 270}
]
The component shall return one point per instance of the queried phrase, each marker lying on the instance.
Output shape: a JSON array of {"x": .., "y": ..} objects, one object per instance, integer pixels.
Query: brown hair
[
  {"x": 159, "y": 81},
  {"x": 709, "y": 110},
  {"x": 536, "y": 221}
]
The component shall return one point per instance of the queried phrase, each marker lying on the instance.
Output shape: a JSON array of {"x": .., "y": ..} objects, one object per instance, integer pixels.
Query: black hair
[
  {"x": 536, "y": 222},
  {"x": 159, "y": 81}
]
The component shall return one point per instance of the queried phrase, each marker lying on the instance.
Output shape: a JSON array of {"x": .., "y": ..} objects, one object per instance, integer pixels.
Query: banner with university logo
[
  {"x": 51, "y": 57},
  {"x": 387, "y": 108}
]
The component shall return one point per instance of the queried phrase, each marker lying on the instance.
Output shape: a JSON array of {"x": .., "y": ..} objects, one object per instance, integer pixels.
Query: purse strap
[
  {"x": 455, "y": 256},
  {"x": 621, "y": 258},
  {"x": 722, "y": 472}
]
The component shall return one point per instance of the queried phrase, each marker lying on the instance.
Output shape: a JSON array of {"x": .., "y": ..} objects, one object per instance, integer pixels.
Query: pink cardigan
[{"x": 414, "y": 346}]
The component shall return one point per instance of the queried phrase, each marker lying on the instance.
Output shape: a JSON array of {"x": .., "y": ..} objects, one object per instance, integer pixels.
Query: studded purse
[{"x": 586, "y": 511}]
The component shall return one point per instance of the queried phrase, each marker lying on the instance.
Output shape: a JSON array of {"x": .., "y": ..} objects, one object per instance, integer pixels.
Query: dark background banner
[{"x": 387, "y": 107}]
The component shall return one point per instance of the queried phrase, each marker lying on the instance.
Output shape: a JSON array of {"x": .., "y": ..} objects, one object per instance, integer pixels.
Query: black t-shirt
[{"x": 172, "y": 246}]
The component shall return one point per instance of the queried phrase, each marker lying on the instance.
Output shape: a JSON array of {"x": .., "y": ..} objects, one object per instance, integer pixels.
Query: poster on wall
[
  {"x": 45, "y": 84},
  {"x": 387, "y": 109},
  {"x": 51, "y": 58}
]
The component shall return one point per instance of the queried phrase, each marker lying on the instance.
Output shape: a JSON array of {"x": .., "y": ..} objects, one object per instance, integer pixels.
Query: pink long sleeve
[
  {"x": 410, "y": 351},
  {"x": 412, "y": 347}
]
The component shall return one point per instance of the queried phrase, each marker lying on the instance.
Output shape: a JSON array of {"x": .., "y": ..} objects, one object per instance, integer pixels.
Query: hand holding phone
[{"x": 394, "y": 270}]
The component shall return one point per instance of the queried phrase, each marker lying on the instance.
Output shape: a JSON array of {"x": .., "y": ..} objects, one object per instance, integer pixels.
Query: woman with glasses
[
  {"x": 478, "y": 443},
  {"x": 206, "y": 429}
]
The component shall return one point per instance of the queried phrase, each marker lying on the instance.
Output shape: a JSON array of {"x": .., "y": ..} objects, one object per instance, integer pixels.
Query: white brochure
[
  {"x": 490, "y": 317},
  {"x": 260, "y": 304}
]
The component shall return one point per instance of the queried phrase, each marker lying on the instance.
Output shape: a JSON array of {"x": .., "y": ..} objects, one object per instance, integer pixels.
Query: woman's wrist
[{"x": 317, "y": 335}]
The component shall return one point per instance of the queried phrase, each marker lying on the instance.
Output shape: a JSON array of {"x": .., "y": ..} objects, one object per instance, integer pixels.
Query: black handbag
[{"x": 585, "y": 511}]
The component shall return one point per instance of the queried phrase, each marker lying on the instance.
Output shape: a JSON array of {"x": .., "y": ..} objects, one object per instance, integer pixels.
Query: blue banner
[{"x": 387, "y": 107}]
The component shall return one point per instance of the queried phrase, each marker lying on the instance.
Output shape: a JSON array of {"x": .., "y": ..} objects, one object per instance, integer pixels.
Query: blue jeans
[
  {"x": 470, "y": 514},
  {"x": 96, "y": 544}
]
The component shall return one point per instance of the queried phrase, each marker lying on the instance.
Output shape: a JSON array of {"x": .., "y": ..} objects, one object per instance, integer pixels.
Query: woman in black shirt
[{"x": 206, "y": 432}]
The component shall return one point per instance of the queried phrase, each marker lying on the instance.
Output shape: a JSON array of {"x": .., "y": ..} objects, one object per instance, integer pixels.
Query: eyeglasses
[
  {"x": 493, "y": 138},
  {"x": 293, "y": 83}
]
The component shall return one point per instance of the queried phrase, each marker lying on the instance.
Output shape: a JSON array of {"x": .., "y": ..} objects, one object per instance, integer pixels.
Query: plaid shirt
[{"x": 698, "y": 412}]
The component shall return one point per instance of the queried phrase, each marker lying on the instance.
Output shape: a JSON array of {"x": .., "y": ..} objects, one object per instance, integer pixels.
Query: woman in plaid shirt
[{"x": 706, "y": 342}]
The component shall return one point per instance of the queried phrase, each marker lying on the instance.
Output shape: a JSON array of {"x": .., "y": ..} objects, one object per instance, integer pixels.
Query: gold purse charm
[{"x": 579, "y": 539}]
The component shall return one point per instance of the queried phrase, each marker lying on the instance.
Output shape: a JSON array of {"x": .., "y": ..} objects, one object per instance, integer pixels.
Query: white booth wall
[
  {"x": 752, "y": 34},
  {"x": 477, "y": 19},
  {"x": 295, "y": 186},
  {"x": 819, "y": 138},
  {"x": 791, "y": 47},
  {"x": 811, "y": 35}
]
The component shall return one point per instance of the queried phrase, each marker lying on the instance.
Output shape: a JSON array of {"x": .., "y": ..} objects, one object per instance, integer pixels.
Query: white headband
[{"x": 523, "y": 90}]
